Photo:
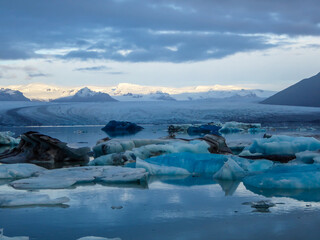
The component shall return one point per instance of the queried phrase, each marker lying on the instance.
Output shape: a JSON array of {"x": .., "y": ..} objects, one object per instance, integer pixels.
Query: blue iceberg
[{"x": 281, "y": 145}]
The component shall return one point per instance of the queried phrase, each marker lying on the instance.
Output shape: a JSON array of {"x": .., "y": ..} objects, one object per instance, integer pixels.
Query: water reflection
[{"x": 305, "y": 195}]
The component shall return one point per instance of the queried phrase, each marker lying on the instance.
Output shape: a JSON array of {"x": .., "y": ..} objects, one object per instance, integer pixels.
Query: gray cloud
[
  {"x": 162, "y": 30},
  {"x": 33, "y": 75},
  {"x": 95, "y": 68}
]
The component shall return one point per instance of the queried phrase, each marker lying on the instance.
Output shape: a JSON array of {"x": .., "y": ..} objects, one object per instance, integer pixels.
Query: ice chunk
[
  {"x": 122, "y": 175},
  {"x": 119, "y": 128},
  {"x": 97, "y": 238},
  {"x": 118, "y": 146},
  {"x": 232, "y": 127},
  {"x": 260, "y": 165},
  {"x": 230, "y": 171},
  {"x": 308, "y": 157},
  {"x": 66, "y": 177},
  {"x": 29, "y": 199},
  {"x": 13, "y": 238},
  {"x": 154, "y": 169},
  {"x": 287, "y": 177},
  {"x": 147, "y": 151},
  {"x": 20, "y": 170},
  {"x": 7, "y": 139},
  {"x": 42, "y": 183},
  {"x": 193, "y": 163},
  {"x": 281, "y": 145}
]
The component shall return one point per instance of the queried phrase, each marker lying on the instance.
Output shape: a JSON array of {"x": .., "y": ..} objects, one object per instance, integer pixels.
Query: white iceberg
[
  {"x": 230, "y": 171},
  {"x": 122, "y": 175},
  {"x": 154, "y": 169},
  {"x": 233, "y": 127},
  {"x": 7, "y": 139},
  {"x": 308, "y": 157},
  {"x": 29, "y": 199},
  {"x": 13, "y": 238},
  {"x": 66, "y": 177},
  {"x": 19, "y": 170},
  {"x": 281, "y": 145}
]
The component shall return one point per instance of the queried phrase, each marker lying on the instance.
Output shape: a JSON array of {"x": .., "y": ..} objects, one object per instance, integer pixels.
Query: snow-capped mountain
[
  {"x": 87, "y": 95},
  {"x": 134, "y": 92},
  {"x": 12, "y": 95}
]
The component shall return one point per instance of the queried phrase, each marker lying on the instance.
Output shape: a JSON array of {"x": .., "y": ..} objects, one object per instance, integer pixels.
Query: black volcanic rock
[
  {"x": 12, "y": 95},
  {"x": 87, "y": 95},
  {"x": 304, "y": 93}
]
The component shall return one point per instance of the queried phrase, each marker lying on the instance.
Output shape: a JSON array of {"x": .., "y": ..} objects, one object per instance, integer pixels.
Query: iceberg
[
  {"x": 230, "y": 171},
  {"x": 19, "y": 170},
  {"x": 308, "y": 157},
  {"x": 154, "y": 169},
  {"x": 122, "y": 175},
  {"x": 190, "y": 163},
  {"x": 66, "y": 177},
  {"x": 300, "y": 176},
  {"x": 281, "y": 145},
  {"x": 2, "y": 237},
  {"x": 7, "y": 139},
  {"x": 119, "y": 128},
  {"x": 147, "y": 151},
  {"x": 29, "y": 199},
  {"x": 234, "y": 127}
]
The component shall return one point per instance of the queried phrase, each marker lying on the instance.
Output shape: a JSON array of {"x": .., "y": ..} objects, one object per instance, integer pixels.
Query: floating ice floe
[
  {"x": 147, "y": 151},
  {"x": 13, "y": 238},
  {"x": 118, "y": 128},
  {"x": 301, "y": 176},
  {"x": 190, "y": 163},
  {"x": 97, "y": 238},
  {"x": 233, "y": 127},
  {"x": 7, "y": 139},
  {"x": 66, "y": 177},
  {"x": 281, "y": 145},
  {"x": 29, "y": 199},
  {"x": 19, "y": 170}
]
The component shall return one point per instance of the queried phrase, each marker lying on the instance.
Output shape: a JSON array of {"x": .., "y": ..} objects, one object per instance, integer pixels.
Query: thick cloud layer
[{"x": 145, "y": 30}]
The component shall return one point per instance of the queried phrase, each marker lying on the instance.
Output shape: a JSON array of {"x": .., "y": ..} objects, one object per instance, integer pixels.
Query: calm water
[{"x": 164, "y": 208}]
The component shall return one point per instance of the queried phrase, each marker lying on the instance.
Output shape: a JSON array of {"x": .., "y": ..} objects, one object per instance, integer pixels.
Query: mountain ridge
[{"x": 303, "y": 93}]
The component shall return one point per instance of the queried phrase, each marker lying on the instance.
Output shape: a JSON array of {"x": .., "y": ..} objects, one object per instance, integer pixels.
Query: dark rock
[{"x": 36, "y": 147}]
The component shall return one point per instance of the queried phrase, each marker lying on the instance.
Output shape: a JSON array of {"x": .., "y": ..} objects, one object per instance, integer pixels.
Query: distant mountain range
[
  {"x": 304, "y": 93},
  {"x": 12, "y": 95},
  {"x": 133, "y": 92},
  {"x": 87, "y": 95}
]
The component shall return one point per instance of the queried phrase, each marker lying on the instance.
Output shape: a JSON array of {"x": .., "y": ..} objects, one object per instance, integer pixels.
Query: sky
[{"x": 247, "y": 43}]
